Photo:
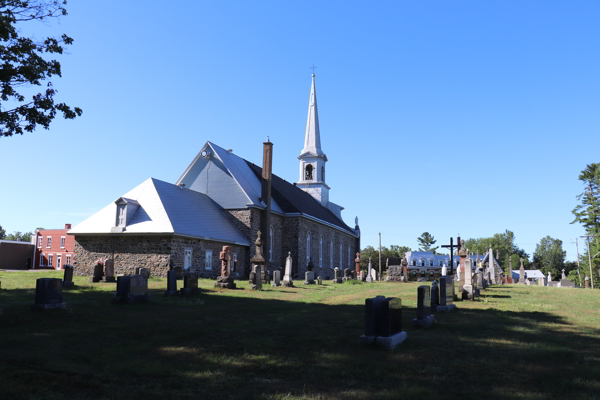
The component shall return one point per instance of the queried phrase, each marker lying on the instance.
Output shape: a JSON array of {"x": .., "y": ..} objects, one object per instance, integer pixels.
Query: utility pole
[
  {"x": 578, "y": 269},
  {"x": 380, "y": 259},
  {"x": 590, "y": 256}
]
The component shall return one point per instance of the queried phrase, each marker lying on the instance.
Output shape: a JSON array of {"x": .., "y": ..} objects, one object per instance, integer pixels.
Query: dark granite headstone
[
  {"x": 395, "y": 306},
  {"x": 48, "y": 294},
  {"x": 109, "y": 271},
  {"x": 98, "y": 273},
  {"x": 178, "y": 272},
  {"x": 373, "y": 315},
  {"x": 131, "y": 289},
  {"x": 446, "y": 292},
  {"x": 68, "y": 277},
  {"x": 435, "y": 295},
  {"x": 171, "y": 283},
  {"x": 190, "y": 285},
  {"x": 423, "y": 301}
]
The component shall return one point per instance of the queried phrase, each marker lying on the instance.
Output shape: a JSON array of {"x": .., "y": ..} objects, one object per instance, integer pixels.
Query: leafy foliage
[
  {"x": 426, "y": 241},
  {"x": 19, "y": 237},
  {"x": 24, "y": 65},
  {"x": 549, "y": 256},
  {"x": 394, "y": 251},
  {"x": 504, "y": 243},
  {"x": 2, "y": 233}
]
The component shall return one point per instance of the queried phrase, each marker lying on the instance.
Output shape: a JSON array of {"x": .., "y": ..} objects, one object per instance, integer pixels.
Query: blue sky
[{"x": 462, "y": 117}]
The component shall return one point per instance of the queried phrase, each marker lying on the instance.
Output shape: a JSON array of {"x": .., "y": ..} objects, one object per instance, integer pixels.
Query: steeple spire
[{"x": 312, "y": 135}]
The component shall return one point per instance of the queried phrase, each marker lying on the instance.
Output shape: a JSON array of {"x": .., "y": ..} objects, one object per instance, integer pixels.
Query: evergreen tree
[{"x": 426, "y": 241}]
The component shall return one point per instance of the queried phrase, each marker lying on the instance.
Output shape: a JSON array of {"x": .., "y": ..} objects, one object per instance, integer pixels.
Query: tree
[
  {"x": 549, "y": 256},
  {"x": 2, "y": 233},
  {"x": 20, "y": 237},
  {"x": 587, "y": 213},
  {"x": 24, "y": 65},
  {"x": 504, "y": 243},
  {"x": 426, "y": 240},
  {"x": 394, "y": 251}
]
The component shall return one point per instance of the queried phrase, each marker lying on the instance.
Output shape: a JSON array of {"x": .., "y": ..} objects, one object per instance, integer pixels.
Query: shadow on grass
[{"x": 219, "y": 346}]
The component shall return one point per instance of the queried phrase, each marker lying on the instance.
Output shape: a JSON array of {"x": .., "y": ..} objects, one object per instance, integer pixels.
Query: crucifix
[
  {"x": 451, "y": 246},
  {"x": 313, "y": 68}
]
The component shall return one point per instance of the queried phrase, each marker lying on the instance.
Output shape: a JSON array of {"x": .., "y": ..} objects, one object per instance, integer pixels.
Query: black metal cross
[
  {"x": 313, "y": 68},
  {"x": 451, "y": 246}
]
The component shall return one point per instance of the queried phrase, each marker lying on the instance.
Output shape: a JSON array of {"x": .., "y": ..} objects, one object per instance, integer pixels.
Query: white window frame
[
  {"x": 271, "y": 243},
  {"x": 331, "y": 254},
  {"x": 341, "y": 255},
  {"x": 321, "y": 252},
  {"x": 68, "y": 257},
  {"x": 62, "y": 242},
  {"x": 49, "y": 242},
  {"x": 234, "y": 260},
  {"x": 121, "y": 214},
  {"x": 40, "y": 241},
  {"x": 308, "y": 247},
  {"x": 50, "y": 260},
  {"x": 41, "y": 259},
  {"x": 208, "y": 256},
  {"x": 191, "y": 253}
]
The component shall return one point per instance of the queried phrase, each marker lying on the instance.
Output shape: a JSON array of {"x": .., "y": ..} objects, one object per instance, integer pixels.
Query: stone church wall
[
  {"x": 130, "y": 252},
  {"x": 199, "y": 248}
]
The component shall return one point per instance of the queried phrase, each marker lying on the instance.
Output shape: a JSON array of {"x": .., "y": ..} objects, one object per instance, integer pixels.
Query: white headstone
[
  {"x": 444, "y": 270},
  {"x": 369, "y": 277},
  {"x": 549, "y": 277},
  {"x": 468, "y": 272},
  {"x": 288, "y": 268}
]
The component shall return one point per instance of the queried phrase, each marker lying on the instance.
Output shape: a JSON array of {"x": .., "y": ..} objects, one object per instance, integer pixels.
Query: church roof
[
  {"x": 291, "y": 199},
  {"x": 165, "y": 208}
]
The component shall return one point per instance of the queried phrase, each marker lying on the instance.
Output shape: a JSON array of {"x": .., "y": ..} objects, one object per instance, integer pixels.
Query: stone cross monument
[
  {"x": 357, "y": 261},
  {"x": 522, "y": 272},
  {"x": 258, "y": 264}
]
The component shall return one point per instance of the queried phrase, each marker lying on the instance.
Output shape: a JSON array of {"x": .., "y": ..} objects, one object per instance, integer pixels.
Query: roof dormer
[{"x": 126, "y": 208}]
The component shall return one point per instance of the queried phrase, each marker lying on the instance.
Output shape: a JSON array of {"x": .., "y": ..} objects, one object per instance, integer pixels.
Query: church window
[
  {"x": 208, "y": 259},
  {"x": 331, "y": 254},
  {"x": 234, "y": 266},
  {"x": 41, "y": 259},
  {"x": 321, "y": 252},
  {"x": 431, "y": 263},
  {"x": 50, "y": 260},
  {"x": 187, "y": 258},
  {"x": 414, "y": 263},
  {"x": 271, "y": 243},
  {"x": 323, "y": 173},
  {"x": 422, "y": 263},
  {"x": 308, "y": 248},
  {"x": 121, "y": 215},
  {"x": 309, "y": 173},
  {"x": 341, "y": 255}
]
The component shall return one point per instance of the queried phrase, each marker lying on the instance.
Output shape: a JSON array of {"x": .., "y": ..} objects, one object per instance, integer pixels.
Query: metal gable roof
[{"x": 168, "y": 209}]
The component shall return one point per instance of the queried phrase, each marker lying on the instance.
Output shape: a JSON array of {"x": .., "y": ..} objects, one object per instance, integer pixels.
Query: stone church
[{"x": 222, "y": 199}]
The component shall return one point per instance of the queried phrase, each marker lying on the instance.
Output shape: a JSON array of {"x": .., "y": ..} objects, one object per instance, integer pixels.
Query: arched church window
[
  {"x": 309, "y": 173},
  {"x": 422, "y": 263},
  {"x": 308, "y": 248},
  {"x": 414, "y": 263},
  {"x": 323, "y": 173},
  {"x": 331, "y": 254},
  {"x": 431, "y": 263},
  {"x": 321, "y": 252},
  {"x": 271, "y": 243}
]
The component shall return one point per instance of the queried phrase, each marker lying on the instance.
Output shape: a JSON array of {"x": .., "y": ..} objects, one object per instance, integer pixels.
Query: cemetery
[{"x": 359, "y": 340}]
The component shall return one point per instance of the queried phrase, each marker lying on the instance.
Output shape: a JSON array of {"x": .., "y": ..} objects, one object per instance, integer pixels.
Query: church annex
[{"x": 222, "y": 199}]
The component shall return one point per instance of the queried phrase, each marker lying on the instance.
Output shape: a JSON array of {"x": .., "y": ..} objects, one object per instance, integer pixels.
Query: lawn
[{"x": 517, "y": 342}]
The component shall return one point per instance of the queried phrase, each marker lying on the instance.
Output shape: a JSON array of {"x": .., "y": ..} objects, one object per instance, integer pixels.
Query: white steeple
[
  {"x": 312, "y": 159},
  {"x": 312, "y": 134}
]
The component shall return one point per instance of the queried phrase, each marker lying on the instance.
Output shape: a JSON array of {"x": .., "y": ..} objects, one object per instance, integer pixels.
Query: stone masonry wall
[
  {"x": 130, "y": 252},
  {"x": 199, "y": 248}
]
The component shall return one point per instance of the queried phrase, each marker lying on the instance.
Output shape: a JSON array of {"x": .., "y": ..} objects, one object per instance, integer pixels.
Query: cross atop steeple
[{"x": 313, "y": 68}]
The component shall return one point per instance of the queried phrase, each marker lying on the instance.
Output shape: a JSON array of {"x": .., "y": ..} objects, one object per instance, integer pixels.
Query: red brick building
[{"x": 54, "y": 248}]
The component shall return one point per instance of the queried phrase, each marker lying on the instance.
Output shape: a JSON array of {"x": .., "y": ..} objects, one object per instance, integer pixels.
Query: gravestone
[
  {"x": 521, "y": 272},
  {"x": 144, "y": 272},
  {"x": 383, "y": 322},
  {"x": 310, "y": 265},
  {"x": 48, "y": 294},
  {"x": 566, "y": 283},
  {"x": 479, "y": 275},
  {"x": 540, "y": 281},
  {"x": 287, "y": 278},
  {"x": 509, "y": 278},
  {"x": 586, "y": 281},
  {"x": 68, "y": 277},
  {"x": 492, "y": 267},
  {"x": 424, "y": 319},
  {"x": 178, "y": 273},
  {"x": 319, "y": 281},
  {"x": 362, "y": 276},
  {"x": 435, "y": 296},
  {"x": 337, "y": 277},
  {"x": 444, "y": 270},
  {"x": 171, "y": 283},
  {"x": 357, "y": 264},
  {"x": 374, "y": 274},
  {"x": 258, "y": 264},
  {"x": 190, "y": 285},
  {"x": 309, "y": 278},
  {"x": 468, "y": 292},
  {"x": 98, "y": 273},
  {"x": 131, "y": 289},
  {"x": 446, "y": 294},
  {"x": 109, "y": 271},
  {"x": 348, "y": 275},
  {"x": 276, "y": 278},
  {"x": 225, "y": 280},
  {"x": 369, "y": 276},
  {"x": 394, "y": 270}
]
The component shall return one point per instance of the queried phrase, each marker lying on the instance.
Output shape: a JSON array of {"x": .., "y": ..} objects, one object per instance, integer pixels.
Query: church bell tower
[{"x": 312, "y": 159}]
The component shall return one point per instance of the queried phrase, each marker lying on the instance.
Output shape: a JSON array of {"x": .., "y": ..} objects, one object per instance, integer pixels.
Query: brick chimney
[
  {"x": 265, "y": 196},
  {"x": 67, "y": 226}
]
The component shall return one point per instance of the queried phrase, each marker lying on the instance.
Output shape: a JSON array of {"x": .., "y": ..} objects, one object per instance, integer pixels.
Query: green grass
[{"x": 517, "y": 342}]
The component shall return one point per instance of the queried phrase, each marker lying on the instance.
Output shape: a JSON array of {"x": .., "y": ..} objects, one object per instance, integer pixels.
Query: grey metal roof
[{"x": 169, "y": 209}]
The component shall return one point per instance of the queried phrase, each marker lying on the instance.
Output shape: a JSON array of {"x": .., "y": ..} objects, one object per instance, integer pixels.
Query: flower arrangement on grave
[{"x": 100, "y": 262}]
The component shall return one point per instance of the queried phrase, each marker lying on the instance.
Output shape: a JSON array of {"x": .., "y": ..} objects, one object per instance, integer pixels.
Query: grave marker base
[
  {"x": 287, "y": 283},
  {"x": 225, "y": 282},
  {"x": 423, "y": 323},
  {"x": 389, "y": 343},
  {"x": 169, "y": 293},
  {"x": 448, "y": 308},
  {"x": 109, "y": 279}
]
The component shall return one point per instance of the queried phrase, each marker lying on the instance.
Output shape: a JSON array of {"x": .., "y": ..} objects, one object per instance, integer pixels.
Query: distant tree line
[{"x": 18, "y": 236}]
